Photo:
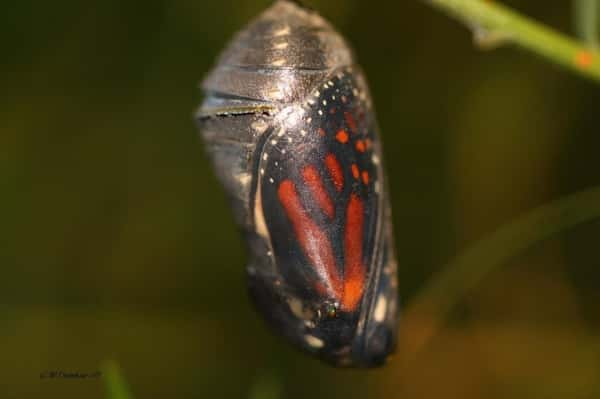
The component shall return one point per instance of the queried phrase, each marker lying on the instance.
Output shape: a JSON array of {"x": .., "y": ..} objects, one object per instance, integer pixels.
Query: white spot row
[
  {"x": 280, "y": 46},
  {"x": 313, "y": 341}
]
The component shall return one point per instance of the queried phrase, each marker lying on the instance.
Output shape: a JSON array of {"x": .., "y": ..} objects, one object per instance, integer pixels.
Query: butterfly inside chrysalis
[{"x": 290, "y": 126}]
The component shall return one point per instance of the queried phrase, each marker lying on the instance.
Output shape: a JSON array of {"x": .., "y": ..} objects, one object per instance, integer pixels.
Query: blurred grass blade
[
  {"x": 587, "y": 18},
  {"x": 266, "y": 386},
  {"x": 428, "y": 311},
  {"x": 116, "y": 387}
]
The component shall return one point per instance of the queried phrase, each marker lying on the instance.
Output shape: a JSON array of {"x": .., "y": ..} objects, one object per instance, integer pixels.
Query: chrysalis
[{"x": 289, "y": 124}]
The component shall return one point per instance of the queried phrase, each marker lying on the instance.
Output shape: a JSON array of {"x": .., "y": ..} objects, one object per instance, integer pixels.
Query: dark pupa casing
[{"x": 263, "y": 110}]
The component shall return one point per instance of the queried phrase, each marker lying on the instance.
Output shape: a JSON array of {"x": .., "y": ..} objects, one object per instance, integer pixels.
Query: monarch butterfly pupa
[{"x": 290, "y": 126}]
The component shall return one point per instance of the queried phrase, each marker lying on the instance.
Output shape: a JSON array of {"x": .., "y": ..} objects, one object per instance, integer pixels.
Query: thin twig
[{"x": 498, "y": 22}]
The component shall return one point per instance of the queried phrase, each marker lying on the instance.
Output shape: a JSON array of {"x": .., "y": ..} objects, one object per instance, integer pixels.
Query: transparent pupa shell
[{"x": 288, "y": 122}]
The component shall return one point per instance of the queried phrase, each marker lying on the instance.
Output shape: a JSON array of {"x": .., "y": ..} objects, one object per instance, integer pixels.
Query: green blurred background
[{"x": 117, "y": 242}]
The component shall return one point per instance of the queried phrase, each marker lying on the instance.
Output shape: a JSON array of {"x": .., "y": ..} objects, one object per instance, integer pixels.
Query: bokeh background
[{"x": 117, "y": 243}]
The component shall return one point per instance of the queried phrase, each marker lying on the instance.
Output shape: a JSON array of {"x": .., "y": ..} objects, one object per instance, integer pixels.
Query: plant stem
[
  {"x": 587, "y": 14},
  {"x": 427, "y": 312},
  {"x": 492, "y": 21}
]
